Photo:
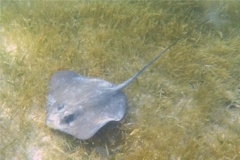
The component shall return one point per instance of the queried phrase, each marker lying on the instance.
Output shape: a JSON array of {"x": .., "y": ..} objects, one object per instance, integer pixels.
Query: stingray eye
[
  {"x": 60, "y": 107},
  {"x": 68, "y": 118}
]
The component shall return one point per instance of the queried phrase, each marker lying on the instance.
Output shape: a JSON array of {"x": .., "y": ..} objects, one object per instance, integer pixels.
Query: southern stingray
[{"x": 80, "y": 105}]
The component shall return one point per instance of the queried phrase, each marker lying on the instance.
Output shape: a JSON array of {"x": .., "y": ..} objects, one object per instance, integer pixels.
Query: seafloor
[{"x": 185, "y": 106}]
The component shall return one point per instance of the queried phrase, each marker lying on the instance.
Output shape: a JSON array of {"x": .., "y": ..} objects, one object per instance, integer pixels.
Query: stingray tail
[{"x": 127, "y": 82}]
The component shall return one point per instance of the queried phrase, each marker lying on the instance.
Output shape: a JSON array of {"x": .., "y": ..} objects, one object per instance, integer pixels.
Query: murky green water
[{"x": 185, "y": 106}]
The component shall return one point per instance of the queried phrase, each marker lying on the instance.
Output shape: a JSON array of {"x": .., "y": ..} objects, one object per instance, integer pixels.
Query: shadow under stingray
[{"x": 106, "y": 142}]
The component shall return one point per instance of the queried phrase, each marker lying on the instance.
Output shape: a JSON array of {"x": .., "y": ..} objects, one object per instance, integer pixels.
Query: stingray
[{"x": 80, "y": 105}]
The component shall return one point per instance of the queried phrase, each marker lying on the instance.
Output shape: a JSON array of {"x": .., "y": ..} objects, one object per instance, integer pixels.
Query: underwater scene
[{"x": 185, "y": 105}]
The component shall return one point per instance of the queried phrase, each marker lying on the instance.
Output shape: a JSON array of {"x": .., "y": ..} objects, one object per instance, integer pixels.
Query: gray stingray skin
[{"x": 80, "y": 105}]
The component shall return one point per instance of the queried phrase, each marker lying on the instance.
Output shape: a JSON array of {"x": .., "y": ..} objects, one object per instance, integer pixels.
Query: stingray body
[{"x": 80, "y": 105}]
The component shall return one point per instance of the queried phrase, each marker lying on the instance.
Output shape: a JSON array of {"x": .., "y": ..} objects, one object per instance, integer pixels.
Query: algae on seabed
[{"x": 186, "y": 106}]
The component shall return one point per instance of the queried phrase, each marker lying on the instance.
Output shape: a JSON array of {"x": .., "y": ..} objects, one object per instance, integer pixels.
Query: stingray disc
[{"x": 80, "y": 105}]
